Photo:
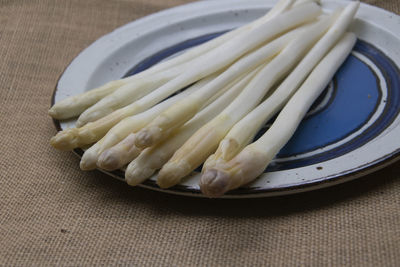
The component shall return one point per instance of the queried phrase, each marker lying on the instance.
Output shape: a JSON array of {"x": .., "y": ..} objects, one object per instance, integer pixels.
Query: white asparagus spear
[
  {"x": 75, "y": 105},
  {"x": 119, "y": 155},
  {"x": 133, "y": 124},
  {"x": 254, "y": 158},
  {"x": 245, "y": 130},
  {"x": 127, "y": 94},
  {"x": 124, "y": 152},
  {"x": 91, "y": 132},
  {"x": 205, "y": 140},
  {"x": 184, "y": 110},
  {"x": 72, "y": 106}
]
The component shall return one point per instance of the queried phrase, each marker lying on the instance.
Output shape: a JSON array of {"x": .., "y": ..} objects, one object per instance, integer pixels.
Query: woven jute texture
[{"x": 51, "y": 213}]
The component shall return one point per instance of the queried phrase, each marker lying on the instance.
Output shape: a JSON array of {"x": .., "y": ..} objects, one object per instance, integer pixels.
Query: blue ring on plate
[
  {"x": 391, "y": 109},
  {"x": 353, "y": 68}
]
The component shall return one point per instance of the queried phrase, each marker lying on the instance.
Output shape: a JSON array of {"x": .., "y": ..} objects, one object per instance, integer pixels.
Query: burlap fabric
[{"x": 51, "y": 213}]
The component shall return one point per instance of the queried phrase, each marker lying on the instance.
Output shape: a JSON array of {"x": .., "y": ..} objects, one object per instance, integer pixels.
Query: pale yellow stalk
[{"x": 117, "y": 156}]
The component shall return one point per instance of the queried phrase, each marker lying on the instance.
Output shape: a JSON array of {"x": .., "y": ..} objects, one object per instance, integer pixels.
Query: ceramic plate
[{"x": 351, "y": 130}]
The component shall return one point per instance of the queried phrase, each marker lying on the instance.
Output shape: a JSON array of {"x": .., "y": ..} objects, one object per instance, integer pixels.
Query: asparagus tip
[
  {"x": 136, "y": 174},
  {"x": 87, "y": 165},
  {"x": 214, "y": 183},
  {"x": 79, "y": 123},
  {"x": 65, "y": 140},
  {"x": 108, "y": 161},
  {"x": 90, "y": 116},
  {"x": 53, "y": 113},
  {"x": 89, "y": 159},
  {"x": 171, "y": 173},
  {"x": 146, "y": 137}
]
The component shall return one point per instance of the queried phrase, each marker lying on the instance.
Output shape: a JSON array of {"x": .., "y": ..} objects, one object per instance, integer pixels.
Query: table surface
[{"x": 52, "y": 213}]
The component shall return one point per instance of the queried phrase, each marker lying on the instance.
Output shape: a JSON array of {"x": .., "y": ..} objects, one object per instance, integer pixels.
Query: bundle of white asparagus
[{"x": 279, "y": 63}]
